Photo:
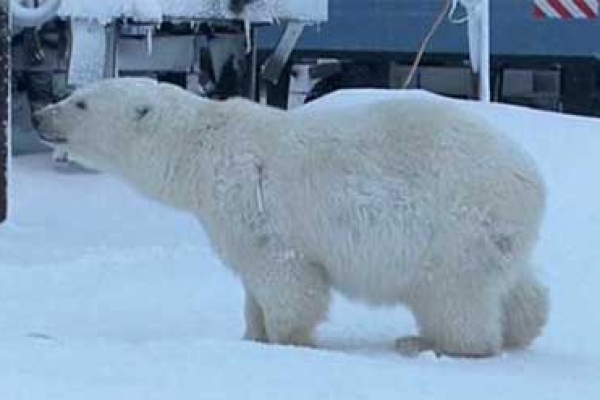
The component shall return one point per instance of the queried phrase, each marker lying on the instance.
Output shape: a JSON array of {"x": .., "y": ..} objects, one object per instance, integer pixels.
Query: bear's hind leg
[
  {"x": 457, "y": 321},
  {"x": 412, "y": 346},
  {"x": 525, "y": 311}
]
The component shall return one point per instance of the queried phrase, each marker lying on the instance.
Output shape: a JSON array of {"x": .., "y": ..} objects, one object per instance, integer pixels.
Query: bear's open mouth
[{"x": 51, "y": 139}]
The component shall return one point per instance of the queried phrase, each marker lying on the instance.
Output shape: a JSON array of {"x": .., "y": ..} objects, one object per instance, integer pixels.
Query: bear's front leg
[
  {"x": 255, "y": 320},
  {"x": 292, "y": 296}
]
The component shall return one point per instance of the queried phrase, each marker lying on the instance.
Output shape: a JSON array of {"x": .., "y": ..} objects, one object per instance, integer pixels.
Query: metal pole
[
  {"x": 484, "y": 53},
  {"x": 4, "y": 105},
  {"x": 251, "y": 77}
]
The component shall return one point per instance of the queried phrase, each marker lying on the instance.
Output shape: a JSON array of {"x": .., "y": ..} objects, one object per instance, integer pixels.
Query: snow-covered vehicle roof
[{"x": 158, "y": 10}]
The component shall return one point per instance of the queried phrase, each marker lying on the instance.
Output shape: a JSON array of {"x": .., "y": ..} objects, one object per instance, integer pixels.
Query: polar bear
[{"x": 412, "y": 202}]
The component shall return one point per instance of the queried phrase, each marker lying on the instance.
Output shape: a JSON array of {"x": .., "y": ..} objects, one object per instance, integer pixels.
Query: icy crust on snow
[{"x": 157, "y": 10}]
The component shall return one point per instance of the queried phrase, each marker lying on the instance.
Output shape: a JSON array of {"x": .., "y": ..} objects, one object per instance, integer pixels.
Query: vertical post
[
  {"x": 4, "y": 103},
  {"x": 484, "y": 52},
  {"x": 251, "y": 78}
]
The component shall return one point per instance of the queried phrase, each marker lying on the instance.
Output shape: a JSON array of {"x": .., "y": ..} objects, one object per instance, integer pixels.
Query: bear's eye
[
  {"x": 142, "y": 111},
  {"x": 82, "y": 105}
]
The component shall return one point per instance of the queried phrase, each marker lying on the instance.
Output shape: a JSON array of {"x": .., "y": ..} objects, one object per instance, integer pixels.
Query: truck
[
  {"x": 542, "y": 62},
  {"x": 288, "y": 52},
  {"x": 207, "y": 46}
]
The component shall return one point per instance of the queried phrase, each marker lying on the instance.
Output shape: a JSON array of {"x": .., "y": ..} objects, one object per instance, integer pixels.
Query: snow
[
  {"x": 156, "y": 10},
  {"x": 107, "y": 295}
]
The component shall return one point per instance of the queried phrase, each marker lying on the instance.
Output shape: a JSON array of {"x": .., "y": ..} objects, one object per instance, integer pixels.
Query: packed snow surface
[
  {"x": 156, "y": 10},
  {"x": 107, "y": 295}
]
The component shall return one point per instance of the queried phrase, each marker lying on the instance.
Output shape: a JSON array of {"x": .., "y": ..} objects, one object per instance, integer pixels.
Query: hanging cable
[{"x": 449, "y": 6}]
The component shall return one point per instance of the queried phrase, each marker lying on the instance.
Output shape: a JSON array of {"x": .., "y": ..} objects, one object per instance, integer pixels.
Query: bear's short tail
[{"x": 525, "y": 311}]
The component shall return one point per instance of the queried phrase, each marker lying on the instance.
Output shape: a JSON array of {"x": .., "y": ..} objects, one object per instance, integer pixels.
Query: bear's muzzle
[{"x": 42, "y": 123}]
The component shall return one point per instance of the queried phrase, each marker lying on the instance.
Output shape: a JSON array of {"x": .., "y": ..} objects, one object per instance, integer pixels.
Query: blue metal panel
[
  {"x": 399, "y": 26},
  {"x": 514, "y": 30}
]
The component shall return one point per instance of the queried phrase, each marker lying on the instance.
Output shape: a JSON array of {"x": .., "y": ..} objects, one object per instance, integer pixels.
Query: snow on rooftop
[{"x": 156, "y": 10}]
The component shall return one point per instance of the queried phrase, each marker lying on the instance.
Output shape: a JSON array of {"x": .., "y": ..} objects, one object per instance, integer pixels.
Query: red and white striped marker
[{"x": 566, "y": 9}]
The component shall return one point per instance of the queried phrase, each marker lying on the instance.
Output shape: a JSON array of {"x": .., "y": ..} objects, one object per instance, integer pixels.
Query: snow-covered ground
[{"x": 106, "y": 295}]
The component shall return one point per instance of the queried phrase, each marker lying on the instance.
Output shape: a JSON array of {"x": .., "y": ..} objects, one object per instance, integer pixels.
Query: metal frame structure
[{"x": 4, "y": 105}]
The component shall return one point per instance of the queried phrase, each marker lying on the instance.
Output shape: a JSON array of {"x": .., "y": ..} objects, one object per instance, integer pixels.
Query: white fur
[{"x": 399, "y": 201}]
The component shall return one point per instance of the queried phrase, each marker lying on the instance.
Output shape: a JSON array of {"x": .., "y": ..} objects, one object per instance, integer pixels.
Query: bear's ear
[{"x": 142, "y": 111}]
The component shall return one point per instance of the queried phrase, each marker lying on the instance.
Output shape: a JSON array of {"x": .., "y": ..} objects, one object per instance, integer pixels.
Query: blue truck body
[{"x": 399, "y": 26}]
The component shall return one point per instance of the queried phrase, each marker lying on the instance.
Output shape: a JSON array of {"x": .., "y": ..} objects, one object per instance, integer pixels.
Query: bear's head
[{"x": 110, "y": 124}]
